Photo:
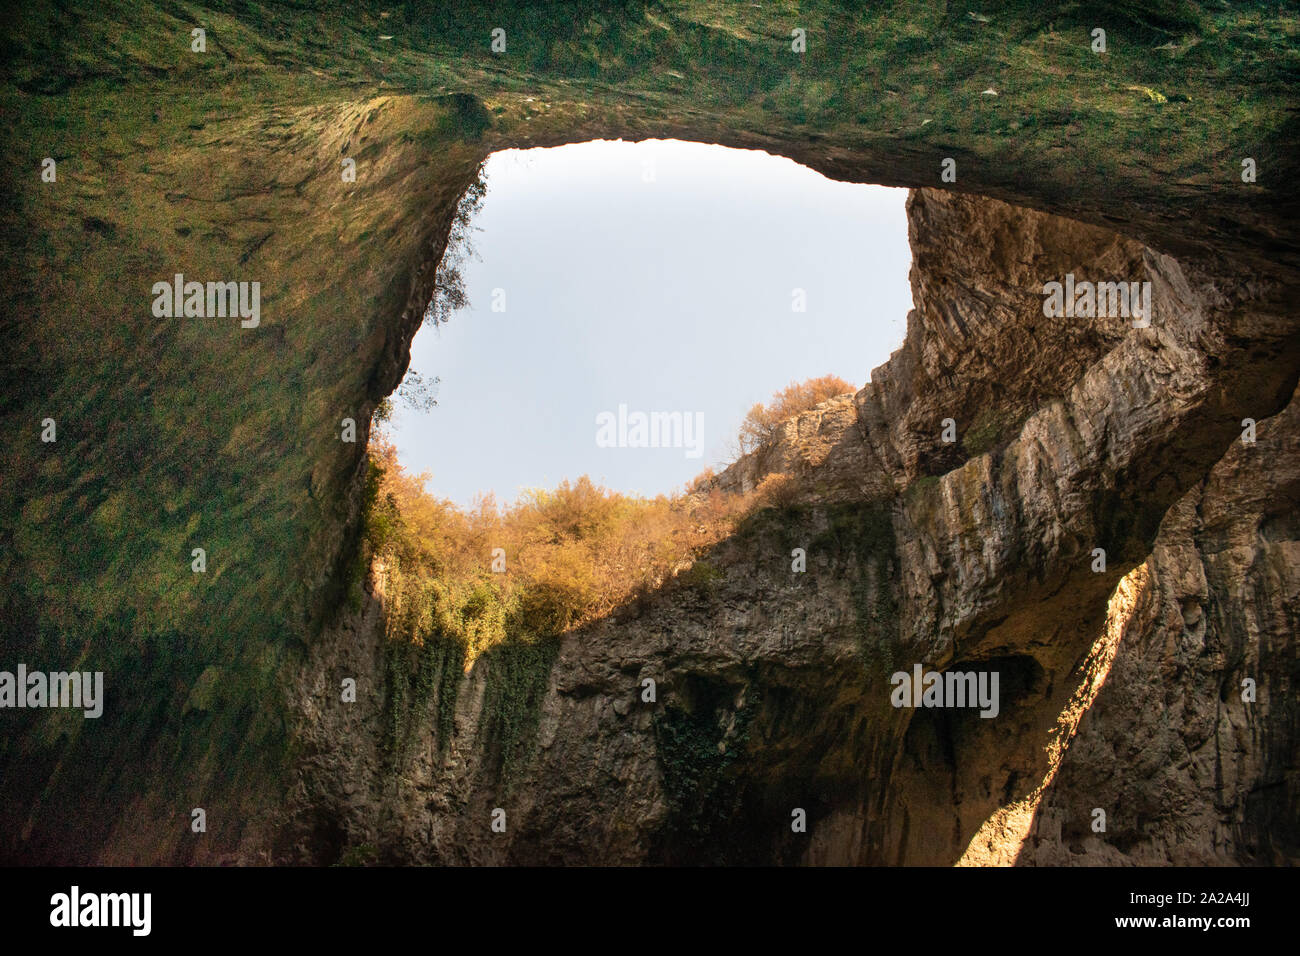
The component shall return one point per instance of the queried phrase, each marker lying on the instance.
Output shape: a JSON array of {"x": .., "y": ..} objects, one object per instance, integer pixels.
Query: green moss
[
  {"x": 863, "y": 536},
  {"x": 921, "y": 489},
  {"x": 205, "y": 690},
  {"x": 450, "y": 673},
  {"x": 165, "y": 157},
  {"x": 415, "y": 676},
  {"x": 373, "y": 528},
  {"x": 697, "y": 749},
  {"x": 518, "y": 673},
  {"x": 466, "y": 118},
  {"x": 991, "y": 428},
  {"x": 363, "y": 854}
]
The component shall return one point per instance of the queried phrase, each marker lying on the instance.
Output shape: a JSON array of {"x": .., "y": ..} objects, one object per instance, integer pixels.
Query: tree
[
  {"x": 763, "y": 422},
  {"x": 449, "y": 293}
]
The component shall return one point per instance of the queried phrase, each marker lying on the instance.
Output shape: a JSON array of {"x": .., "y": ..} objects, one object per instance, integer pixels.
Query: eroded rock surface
[{"x": 1119, "y": 690}]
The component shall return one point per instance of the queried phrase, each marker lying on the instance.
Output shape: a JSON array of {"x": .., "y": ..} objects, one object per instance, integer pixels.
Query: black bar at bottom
[{"x": 639, "y": 908}]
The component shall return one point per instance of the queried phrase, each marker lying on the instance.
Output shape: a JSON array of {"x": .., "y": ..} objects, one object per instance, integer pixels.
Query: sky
[{"x": 658, "y": 277}]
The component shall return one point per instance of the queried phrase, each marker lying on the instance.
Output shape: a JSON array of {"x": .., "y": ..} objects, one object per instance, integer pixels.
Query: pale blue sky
[{"x": 673, "y": 294}]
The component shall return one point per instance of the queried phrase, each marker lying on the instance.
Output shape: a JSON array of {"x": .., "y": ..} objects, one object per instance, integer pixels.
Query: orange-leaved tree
[{"x": 763, "y": 421}]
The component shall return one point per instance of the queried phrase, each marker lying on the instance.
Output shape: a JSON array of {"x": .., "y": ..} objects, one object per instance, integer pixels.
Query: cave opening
[
  {"x": 615, "y": 309},
  {"x": 609, "y": 324},
  {"x": 614, "y": 324}
]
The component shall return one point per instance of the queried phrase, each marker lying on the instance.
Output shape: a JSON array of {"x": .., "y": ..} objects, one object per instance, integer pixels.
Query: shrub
[
  {"x": 449, "y": 294},
  {"x": 702, "y": 576},
  {"x": 573, "y": 554},
  {"x": 700, "y": 481},
  {"x": 777, "y": 490}
]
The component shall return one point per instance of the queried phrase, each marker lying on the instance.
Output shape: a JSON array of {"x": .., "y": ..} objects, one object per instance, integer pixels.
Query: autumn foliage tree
[
  {"x": 571, "y": 554},
  {"x": 568, "y": 556},
  {"x": 763, "y": 421}
]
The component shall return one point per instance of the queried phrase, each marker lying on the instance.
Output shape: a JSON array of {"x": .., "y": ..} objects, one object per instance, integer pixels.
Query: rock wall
[
  {"x": 1119, "y": 690},
  {"x": 1188, "y": 773}
]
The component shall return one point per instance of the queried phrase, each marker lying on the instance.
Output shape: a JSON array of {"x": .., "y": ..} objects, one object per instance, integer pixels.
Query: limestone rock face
[
  {"x": 1119, "y": 687},
  {"x": 822, "y": 449},
  {"x": 979, "y": 349},
  {"x": 1187, "y": 772}
]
